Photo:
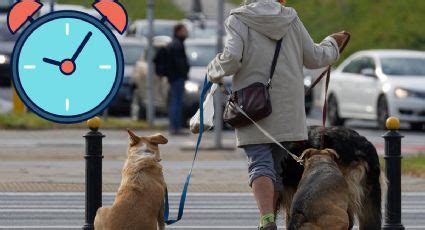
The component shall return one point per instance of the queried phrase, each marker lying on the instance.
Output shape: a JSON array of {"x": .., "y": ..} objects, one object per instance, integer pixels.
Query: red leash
[{"x": 326, "y": 73}]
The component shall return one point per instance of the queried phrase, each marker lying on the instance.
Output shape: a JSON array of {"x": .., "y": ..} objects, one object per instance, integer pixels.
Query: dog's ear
[
  {"x": 307, "y": 154},
  {"x": 134, "y": 139},
  {"x": 333, "y": 153},
  {"x": 157, "y": 139}
]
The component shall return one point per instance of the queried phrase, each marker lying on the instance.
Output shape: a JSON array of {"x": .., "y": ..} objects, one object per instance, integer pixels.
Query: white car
[
  {"x": 376, "y": 84},
  {"x": 140, "y": 28},
  {"x": 205, "y": 29},
  {"x": 59, "y": 7}
]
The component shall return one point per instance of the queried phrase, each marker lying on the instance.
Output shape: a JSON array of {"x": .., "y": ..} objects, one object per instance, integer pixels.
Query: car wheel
[
  {"x": 138, "y": 110},
  {"x": 333, "y": 114},
  {"x": 416, "y": 126},
  {"x": 382, "y": 113}
]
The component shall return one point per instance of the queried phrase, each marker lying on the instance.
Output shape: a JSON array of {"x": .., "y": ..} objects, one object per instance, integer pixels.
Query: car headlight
[
  {"x": 191, "y": 87},
  {"x": 401, "y": 93},
  {"x": 307, "y": 81},
  {"x": 4, "y": 59}
]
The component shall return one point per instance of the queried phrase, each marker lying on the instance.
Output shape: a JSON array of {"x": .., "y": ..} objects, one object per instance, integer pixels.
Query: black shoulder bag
[{"x": 254, "y": 100}]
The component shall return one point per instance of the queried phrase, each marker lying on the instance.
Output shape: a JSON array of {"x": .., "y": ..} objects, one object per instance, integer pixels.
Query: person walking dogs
[
  {"x": 177, "y": 73},
  {"x": 253, "y": 30}
]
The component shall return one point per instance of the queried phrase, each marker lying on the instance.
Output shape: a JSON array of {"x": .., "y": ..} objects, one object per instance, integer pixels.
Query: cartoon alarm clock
[{"x": 67, "y": 66}]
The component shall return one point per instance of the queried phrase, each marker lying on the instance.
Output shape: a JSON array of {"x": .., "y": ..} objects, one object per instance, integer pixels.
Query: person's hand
[
  {"x": 340, "y": 38},
  {"x": 218, "y": 80}
]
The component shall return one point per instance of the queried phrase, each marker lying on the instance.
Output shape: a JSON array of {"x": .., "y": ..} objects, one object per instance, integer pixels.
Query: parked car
[
  {"x": 376, "y": 84},
  {"x": 133, "y": 49},
  {"x": 201, "y": 28},
  {"x": 5, "y": 5},
  {"x": 316, "y": 96},
  {"x": 58, "y": 7},
  {"x": 7, "y": 41},
  {"x": 309, "y": 77},
  {"x": 140, "y": 28},
  {"x": 199, "y": 54}
]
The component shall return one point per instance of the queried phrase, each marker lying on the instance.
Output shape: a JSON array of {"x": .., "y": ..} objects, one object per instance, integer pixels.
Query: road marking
[
  {"x": 105, "y": 67},
  {"x": 40, "y": 227},
  {"x": 174, "y": 211},
  {"x": 67, "y": 104},
  {"x": 219, "y": 194},
  {"x": 67, "y": 29},
  {"x": 168, "y": 227},
  {"x": 30, "y": 66}
]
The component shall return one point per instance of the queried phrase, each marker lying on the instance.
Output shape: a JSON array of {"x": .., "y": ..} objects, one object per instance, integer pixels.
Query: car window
[
  {"x": 5, "y": 4},
  {"x": 159, "y": 30},
  {"x": 403, "y": 66},
  {"x": 353, "y": 67},
  {"x": 132, "y": 53},
  {"x": 200, "y": 55},
  {"x": 357, "y": 65},
  {"x": 368, "y": 63}
]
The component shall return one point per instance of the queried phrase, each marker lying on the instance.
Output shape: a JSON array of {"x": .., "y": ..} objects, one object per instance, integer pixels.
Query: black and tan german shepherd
[{"x": 359, "y": 164}]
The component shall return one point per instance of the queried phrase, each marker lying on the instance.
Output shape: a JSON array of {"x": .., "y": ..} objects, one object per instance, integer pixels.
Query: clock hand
[
  {"x": 51, "y": 61},
  {"x": 80, "y": 48}
]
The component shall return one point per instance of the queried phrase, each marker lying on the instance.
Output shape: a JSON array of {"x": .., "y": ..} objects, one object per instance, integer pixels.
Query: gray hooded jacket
[{"x": 252, "y": 32}]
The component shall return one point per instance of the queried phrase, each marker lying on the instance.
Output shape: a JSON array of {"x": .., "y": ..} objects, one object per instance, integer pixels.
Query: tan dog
[
  {"x": 139, "y": 201},
  {"x": 322, "y": 198}
]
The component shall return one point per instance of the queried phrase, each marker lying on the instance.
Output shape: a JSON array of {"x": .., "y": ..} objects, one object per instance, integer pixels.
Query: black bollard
[
  {"x": 93, "y": 172},
  {"x": 393, "y": 173}
]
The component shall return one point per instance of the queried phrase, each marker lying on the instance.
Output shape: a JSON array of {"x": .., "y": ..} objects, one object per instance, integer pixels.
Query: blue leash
[{"x": 207, "y": 86}]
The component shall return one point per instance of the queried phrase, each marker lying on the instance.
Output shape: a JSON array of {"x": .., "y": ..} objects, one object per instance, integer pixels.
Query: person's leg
[
  {"x": 262, "y": 179},
  {"x": 263, "y": 190},
  {"x": 179, "y": 103},
  {"x": 279, "y": 156},
  {"x": 172, "y": 106}
]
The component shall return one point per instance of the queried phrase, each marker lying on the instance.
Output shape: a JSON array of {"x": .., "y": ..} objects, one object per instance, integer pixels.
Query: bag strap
[{"x": 274, "y": 62}]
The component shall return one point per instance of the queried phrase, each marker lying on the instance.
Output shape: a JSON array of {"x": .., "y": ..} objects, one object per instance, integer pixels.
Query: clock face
[{"x": 67, "y": 66}]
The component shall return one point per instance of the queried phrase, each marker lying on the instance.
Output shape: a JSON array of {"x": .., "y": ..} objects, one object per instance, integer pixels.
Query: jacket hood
[{"x": 266, "y": 17}]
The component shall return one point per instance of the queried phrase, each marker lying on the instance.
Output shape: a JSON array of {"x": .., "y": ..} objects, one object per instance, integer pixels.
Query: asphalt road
[{"x": 203, "y": 211}]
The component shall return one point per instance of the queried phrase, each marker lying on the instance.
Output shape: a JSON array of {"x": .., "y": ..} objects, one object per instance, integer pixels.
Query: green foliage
[
  {"x": 137, "y": 8},
  {"x": 411, "y": 165},
  {"x": 374, "y": 24},
  {"x": 31, "y": 121}
]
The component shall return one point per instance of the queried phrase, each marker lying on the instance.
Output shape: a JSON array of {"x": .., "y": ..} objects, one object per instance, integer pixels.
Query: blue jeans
[{"x": 176, "y": 104}]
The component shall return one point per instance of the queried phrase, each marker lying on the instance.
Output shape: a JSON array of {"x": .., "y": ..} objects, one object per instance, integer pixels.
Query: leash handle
[
  {"x": 315, "y": 82},
  {"x": 325, "y": 107},
  {"x": 327, "y": 73},
  {"x": 206, "y": 87}
]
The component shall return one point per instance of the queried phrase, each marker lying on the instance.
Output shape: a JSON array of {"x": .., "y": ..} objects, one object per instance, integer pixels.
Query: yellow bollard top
[
  {"x": 94, "y": 123},
  {"x": 393, "y": 123}
]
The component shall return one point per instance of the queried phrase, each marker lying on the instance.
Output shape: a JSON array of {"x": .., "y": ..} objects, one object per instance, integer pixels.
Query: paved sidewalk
[
  {"x": 52, "y": 161},
  {"x": 209, "y": 7}
]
